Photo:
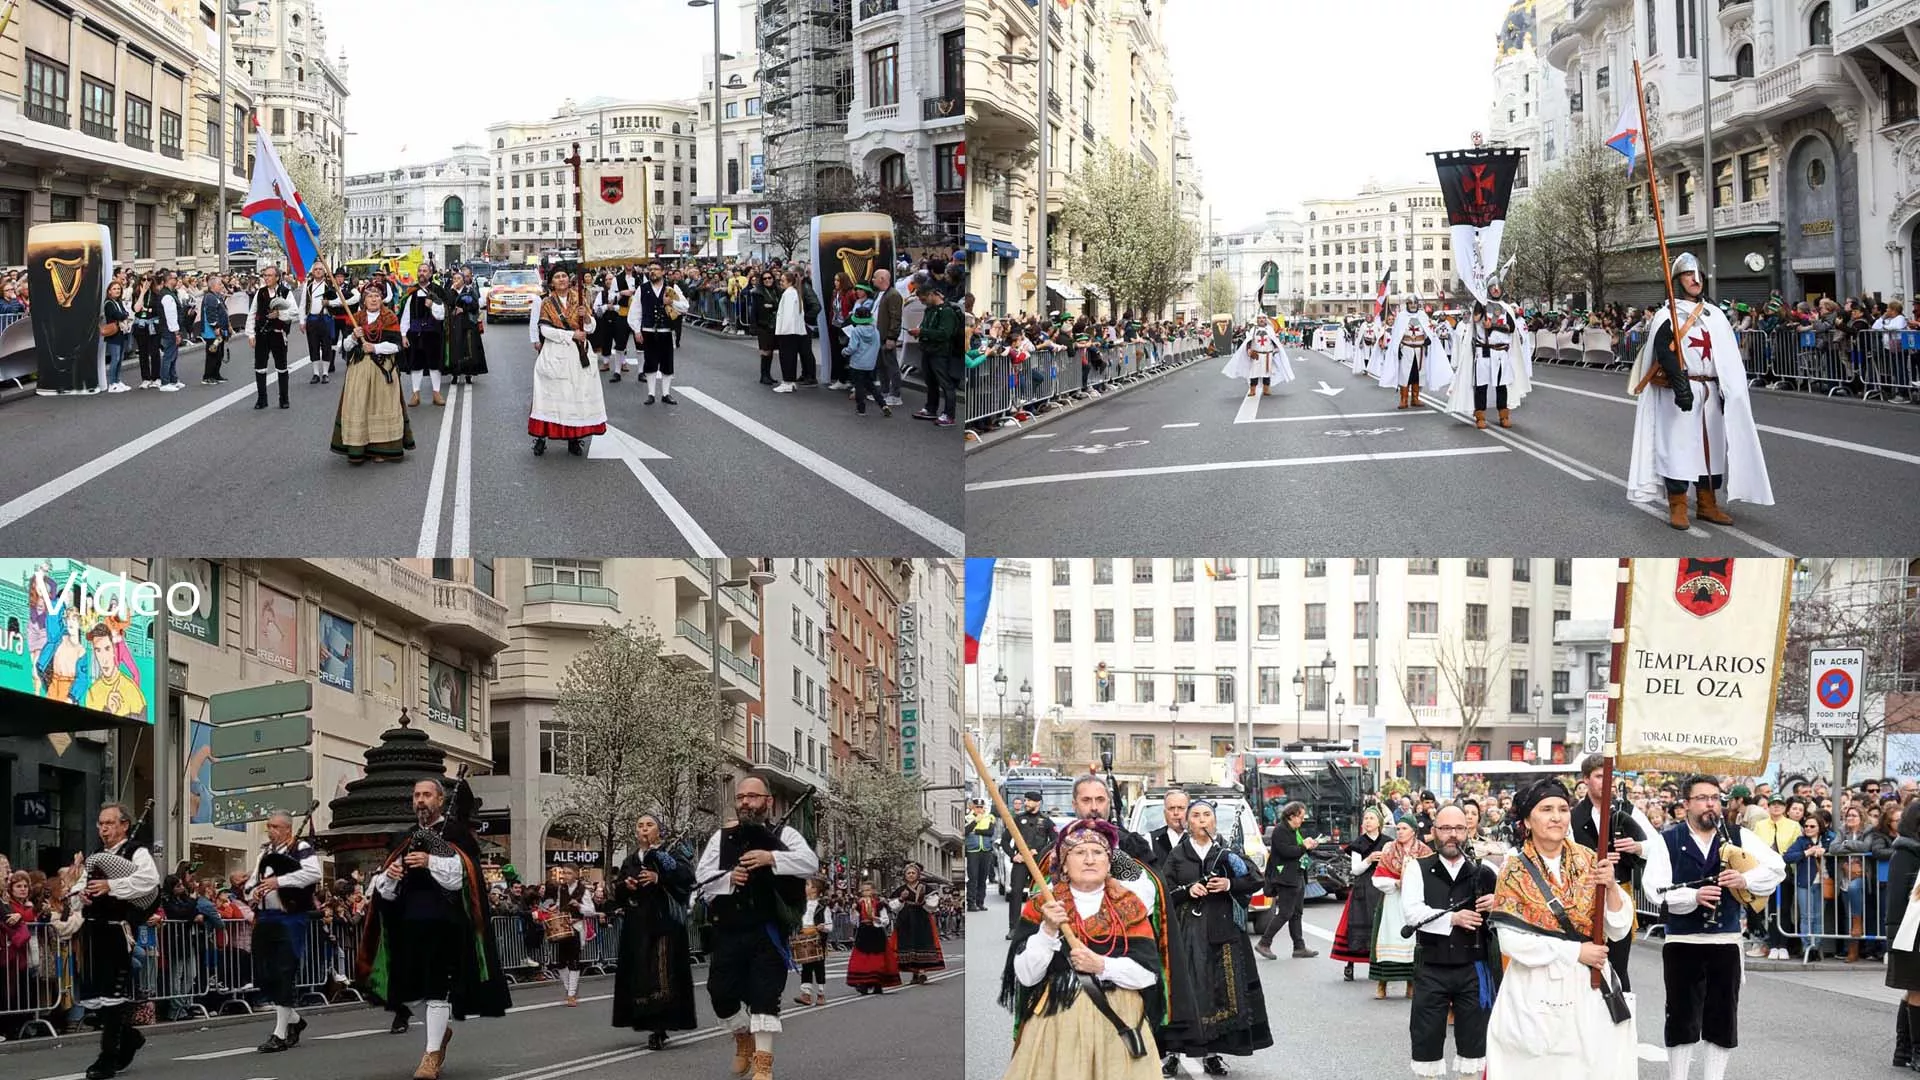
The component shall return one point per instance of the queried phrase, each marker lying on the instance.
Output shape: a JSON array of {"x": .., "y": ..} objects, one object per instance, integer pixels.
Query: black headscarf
[{"x": 1532, "y": 795}]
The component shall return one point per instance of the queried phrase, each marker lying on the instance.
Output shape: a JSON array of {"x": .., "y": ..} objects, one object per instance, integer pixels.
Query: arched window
[
  {"x": 676, "y": 128},
  {"x": 1820, "y": 25},
  {"x": 453, "y": 215},
  {"x": 1743, "y": 62},
  {"x": 893, "y": 172},
  {"x": 296, "y": 20},
  {"x": 499, "y": 144}
]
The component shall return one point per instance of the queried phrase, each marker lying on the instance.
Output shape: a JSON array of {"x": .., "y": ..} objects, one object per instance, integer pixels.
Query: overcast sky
[
  {"x": 1294, "y": 99},
  {"x": 483, "y": 61}
]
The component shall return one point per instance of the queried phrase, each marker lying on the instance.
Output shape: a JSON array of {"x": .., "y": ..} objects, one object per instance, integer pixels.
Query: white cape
[
  {"x": 1243, "y": 365},
  {"x": 1435, "y": 373},
  {"x": 1519, "y": 368},
  {"x": 1664, "y": 438}
]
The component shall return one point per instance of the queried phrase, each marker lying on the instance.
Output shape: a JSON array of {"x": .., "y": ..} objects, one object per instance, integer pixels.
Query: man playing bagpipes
[
  {"x": 1445, "y": 897},
  {"x": 654, "y": 317},
  {"x": 120, "y": 891},
  {"x": 753, "y": 874},
  {"x": 426, "y": 937},
  {"x": 281, "y": 891}
]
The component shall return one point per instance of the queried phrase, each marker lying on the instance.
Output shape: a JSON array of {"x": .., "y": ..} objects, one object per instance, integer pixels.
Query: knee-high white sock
[
  {"x": 439, "y": 1014},
  {"x": 763, "y": 1040},
  {"x": 282, "y": 1021},
  {"x": 1678, "y": 1060},
  {"x": 739, "y": 1021},
  {"x": 1716, "y": 1062},
  {"x": 653, "y": 383},
  {"x": 436, "y": 380},
  {"x": 416, "y": 381},
  {"x": 666, "y": 385},
  {"x": 572, "y": 979}
]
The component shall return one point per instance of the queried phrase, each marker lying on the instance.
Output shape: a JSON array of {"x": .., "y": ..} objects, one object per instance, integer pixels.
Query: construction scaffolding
[{"x": 806, "y": 76}]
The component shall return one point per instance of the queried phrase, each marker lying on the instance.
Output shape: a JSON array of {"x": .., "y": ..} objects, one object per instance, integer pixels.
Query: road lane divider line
[
  {"x": 1105, "y": 430},
  {"x": 1040, "y": 435},
  {"x": 947, "y": 538},
  {"x": 1522, "y": 445},
  {"x": 616, "y": 1057},
  {"x": 683, "y": 521},
  {"x": 1785, "y": 433},
  {"x": 1323, "y": 417},
  {"x": 461, "y": 543},
  {"x": 217, "y": 1054},
  {"x": 75, "y": 478},
  {"x": 352, "y": 1034},
  {"x": 1221, "y": 466},
  {"x": 1249, "y": 408},
  {"x": 437, "y": 485},
  {"x": 1190, "y": 423}
]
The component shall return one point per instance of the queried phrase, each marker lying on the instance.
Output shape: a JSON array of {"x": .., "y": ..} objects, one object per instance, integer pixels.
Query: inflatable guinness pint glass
[
  {"x": 68, "y": 266},
  {"x": 856, "y": 244}
]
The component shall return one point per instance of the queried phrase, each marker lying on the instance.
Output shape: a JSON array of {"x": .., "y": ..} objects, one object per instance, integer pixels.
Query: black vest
[
  {"x": 110, "y": 908},
  {"x": 654, "y": 309},
  {"x": 296, "y": 901},
  {"x": 1586, "y": 832},
  {"x": 1689, "y": 865},
  {"x": 1460, "y": 946}
]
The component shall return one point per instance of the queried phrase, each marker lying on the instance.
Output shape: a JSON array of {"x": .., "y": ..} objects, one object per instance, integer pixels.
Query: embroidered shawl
[{"x": 1518, "y": 899}]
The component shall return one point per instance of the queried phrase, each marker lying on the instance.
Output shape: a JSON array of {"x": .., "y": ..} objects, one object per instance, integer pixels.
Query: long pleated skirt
[{"x": 371, "y": 421}]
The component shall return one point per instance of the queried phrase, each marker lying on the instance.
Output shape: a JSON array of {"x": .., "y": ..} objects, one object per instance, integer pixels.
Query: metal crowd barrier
[
  {"x": 1842, "y": 902},
  {"x": 1000, "y": 391},
  {"x": 11, "y": 318},
  {"x": 1874, "y": 365},
  {"x": 525, "y": 954}
]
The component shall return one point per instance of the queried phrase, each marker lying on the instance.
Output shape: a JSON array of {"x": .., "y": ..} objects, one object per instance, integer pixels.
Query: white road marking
[
  {"x": 554, "y": 1004},
  {"x": 214, "y": 1055},
  {"x": 429, "y": 545},
  {"x": 67, "y": 1076},
  {"x": 1220, "y": 466},
  {"x": 1190, "y": 423},
  {"x": 617, "y": 444},
  {"x": 946, "y": 537},
  {"x": 1323, "y": 417},
  {"x": 689, "y": 529},
  {"x": 1328, "y": 390},
  {"x": 1249, "y": 408},
  {"x": 351, "y": 1034},
  {"x": 73, "y": 479},
  {"x": 462, "y": 540},
  {"x": 1519, "y": 444},
  {"x": 1788, "y": 433},
  {"x": 1041, "y": 435},
  {"x": 1651, "y": 1052},
  {"x": 1105, "y": 430}
]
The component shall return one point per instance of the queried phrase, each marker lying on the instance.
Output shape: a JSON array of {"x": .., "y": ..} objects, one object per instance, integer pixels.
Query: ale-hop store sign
[
  {"x": 63, "y": 615},
  {"x": 1703, "y": 648}
]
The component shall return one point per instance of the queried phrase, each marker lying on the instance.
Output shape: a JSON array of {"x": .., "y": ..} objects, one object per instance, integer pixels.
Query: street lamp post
[
  {"x": 719, "y": 147},
  {"x": 1000, "y": 688},
  {"x": 1026, "y": 710},
  {"x": 1299, "y": 695},
  {"x": 1340, "y": 712},
  {"x": 234, "y": 9},
  {"x": 1538, "y": 699},
  {"x": 1326, "y": 683},
  {"x": 1173, "y": 733}
]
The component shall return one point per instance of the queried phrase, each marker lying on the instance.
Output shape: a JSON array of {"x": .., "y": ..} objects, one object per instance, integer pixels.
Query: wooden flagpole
[
  {"x": 1659, "y": 218},
  {"x": 1616, "y": 667},
  {"x": 1006, "y": 822}
]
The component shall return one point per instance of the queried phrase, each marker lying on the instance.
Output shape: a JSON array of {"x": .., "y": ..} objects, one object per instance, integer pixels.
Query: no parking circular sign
[
  {"x": 1836, "y": 688},
  {"x": 761, "y": 222},
  {"x": 1833, "y": 692}
]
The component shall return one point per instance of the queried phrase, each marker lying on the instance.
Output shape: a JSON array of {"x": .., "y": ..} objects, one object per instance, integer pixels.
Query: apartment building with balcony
[
  {"x": 1353, "y": 241},
  {"x": 1815, "y": 115},
  {"x": 1267, "y": 263},
  {"x": 1207, "y": 650},
  {"x": 1521, "y": 82},
  {"x": 929, "y": 637},
  {"x": 443, "y": 207},
  {"x": 743, "y": 145},
  {"x": 793, "y": 740},
  {"x": 863, "y": 601},
  {"x": 534, "y": 195},
  {"x": 906, "y": 129},
  {"x": 302, "y": 93},
  {"x": 553, "y": 605},
  {"x": 109, "y": 114}
]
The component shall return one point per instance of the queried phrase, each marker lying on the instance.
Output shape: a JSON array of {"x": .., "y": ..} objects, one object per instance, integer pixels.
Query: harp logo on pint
[
  {"x": 612, "y": 188},
  {"x": 1704, "y": 585}
]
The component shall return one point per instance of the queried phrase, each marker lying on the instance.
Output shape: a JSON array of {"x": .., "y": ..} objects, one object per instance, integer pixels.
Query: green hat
[{"x": 1741, "y": 791}]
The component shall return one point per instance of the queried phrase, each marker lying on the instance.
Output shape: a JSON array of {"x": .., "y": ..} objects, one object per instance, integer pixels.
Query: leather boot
[
  {"x": 1266, "y": 391},
  {"x": 130, "y": 1040},
  {"x": 433, "y": 1060},
  {"x": 439, "y": 398},
  {"x": 260, "y": 386},
  {"x": 414, "y": 401},
  {"x": 1506, "y": 418},
  {"x": 1403, "y": 397},
  {"x": 1707, "y": 507},
  {"x": 1903, "y": 1036},
  {"x": 1416, "y": 395},
  {"x": 284, "y": 403},
  {"x": 1677, "y": 512},
  {"x": 111, "y": 1044},
  {"x": 1480, "y": 419},
  {"x": 1252, "y": 389},
  {"x": 742, "y": 1052},
  {"x": 762, "y": 1065}
]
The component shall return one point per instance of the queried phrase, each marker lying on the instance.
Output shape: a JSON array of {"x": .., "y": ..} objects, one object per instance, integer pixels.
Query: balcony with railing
[
  {"x": 455, "y": 611},
  {"x": 767, "y": 756},
  {"x": 567, "y": 606},
  {"x": 945, "y": 108},
  {"x": 1735, "y": 9},
  {"x": 870, "y": 9},
  {"x": 1806, "y": 82},
  {"x": 1883, "y": 23},
  {"x": 1053, "y": 103},
  {"x": 1086, "y": 130}
]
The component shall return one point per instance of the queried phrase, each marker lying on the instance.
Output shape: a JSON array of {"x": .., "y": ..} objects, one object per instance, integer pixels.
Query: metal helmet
[
  {"x": 1413, "y": 301},
  {"x": 1685, "y": 264}
]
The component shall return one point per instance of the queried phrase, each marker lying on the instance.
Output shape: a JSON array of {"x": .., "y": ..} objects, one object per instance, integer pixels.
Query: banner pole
[
  {"x": 1013, "y": 832},
  {"x": 1616, "y": 658},
  {"x": 1659, "y": 218}
]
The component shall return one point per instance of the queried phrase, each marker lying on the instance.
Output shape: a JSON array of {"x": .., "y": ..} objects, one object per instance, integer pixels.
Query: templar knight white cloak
[
  {"x": 1435, "y": 373},
  {"x": 1717, "y": 437},
  {"x": 1511, "y": 366},
  {"x": 1260, "y": 356},
  {"x": 1377, "y": 352}
]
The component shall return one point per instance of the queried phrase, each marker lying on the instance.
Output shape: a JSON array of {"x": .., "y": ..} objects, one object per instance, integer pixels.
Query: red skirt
[
  {"x": 873, "y": 961},
  {"x": 1353, "y": 940},
  {"x": 547, "y": 429}
]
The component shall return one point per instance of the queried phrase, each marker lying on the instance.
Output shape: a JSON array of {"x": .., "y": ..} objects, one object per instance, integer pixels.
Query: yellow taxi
[{"x": 512, "y": 293}]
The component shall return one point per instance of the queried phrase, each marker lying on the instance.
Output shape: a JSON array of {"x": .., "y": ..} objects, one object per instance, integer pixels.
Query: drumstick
[{"x": 1006, "y": 822}]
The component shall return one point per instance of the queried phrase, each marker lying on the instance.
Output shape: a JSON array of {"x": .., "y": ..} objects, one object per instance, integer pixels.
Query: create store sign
[{"x": 907, "y": 640}]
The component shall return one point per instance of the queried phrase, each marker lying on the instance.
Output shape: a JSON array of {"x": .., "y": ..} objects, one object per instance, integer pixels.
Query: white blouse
[{"x": 1030, "y": 966}]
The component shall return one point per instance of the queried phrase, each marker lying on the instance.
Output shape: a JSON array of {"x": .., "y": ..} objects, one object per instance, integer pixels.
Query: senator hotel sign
[{"x": 1701, "y": 674}]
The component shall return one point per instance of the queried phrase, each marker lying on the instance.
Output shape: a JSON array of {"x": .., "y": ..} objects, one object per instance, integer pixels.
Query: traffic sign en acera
[
  {"x": 254, "y": 702},
  {"x": 258, "y": 805}
]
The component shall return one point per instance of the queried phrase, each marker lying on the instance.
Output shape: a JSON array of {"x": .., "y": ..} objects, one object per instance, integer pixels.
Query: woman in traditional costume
[
  {"x": 1549, "y": 1022},
  {"x": 466, "y": 351},
  {"x": 653, "y": 986},
  {"x": 873, "y": 966},
  {"x": 1219, "y": 1007},
  {"x": 1392, "y": 954},
  {"x": 1261, "y": 360},
  {"x": 916, "y": 940},
  {"x": 371, "y": 423},
  {"x": 1059, "y": 1033},
  {"x": 567, "y": 399},
  {"x": 1353, "y": 942}
]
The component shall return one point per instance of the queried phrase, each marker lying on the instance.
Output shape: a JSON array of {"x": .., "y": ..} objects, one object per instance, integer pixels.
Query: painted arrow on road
[
  {"x": 617, "y": 445},
  {"x": 1328, "y": 390}
]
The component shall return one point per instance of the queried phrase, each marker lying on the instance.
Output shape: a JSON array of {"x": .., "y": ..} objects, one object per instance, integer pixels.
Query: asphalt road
[
  {"x": 907, "y": 1032},
  {"x": 1188, "y": 463},
  {"x": 1828, "y": 1020},
  {"x": 733, "y": 469}
]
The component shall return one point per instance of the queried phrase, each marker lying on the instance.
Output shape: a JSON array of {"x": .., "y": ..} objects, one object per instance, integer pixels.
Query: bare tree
[
  {"x": 640, "y": 735},
  {"x": 1878, "y": 617},
  {"x": 1465, "y": 670},
  {"x": 1532, "y": 241}
]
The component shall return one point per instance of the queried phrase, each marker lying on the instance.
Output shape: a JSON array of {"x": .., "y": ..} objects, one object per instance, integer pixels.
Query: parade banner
[
  {"x": 855, "y": 244},
  {"x": 1704, "y": 638},
  {"x": 613, "y": 201},
  {"x": 1477, "y": 185},
  {"x": 68, "y": 266}
]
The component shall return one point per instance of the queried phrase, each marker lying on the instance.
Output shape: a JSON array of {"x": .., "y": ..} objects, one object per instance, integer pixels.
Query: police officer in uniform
[
  {"x": 1631, "y": 832},
  {"x": 978, "y": 843},
  {"x": 1036, "y": 828}
]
